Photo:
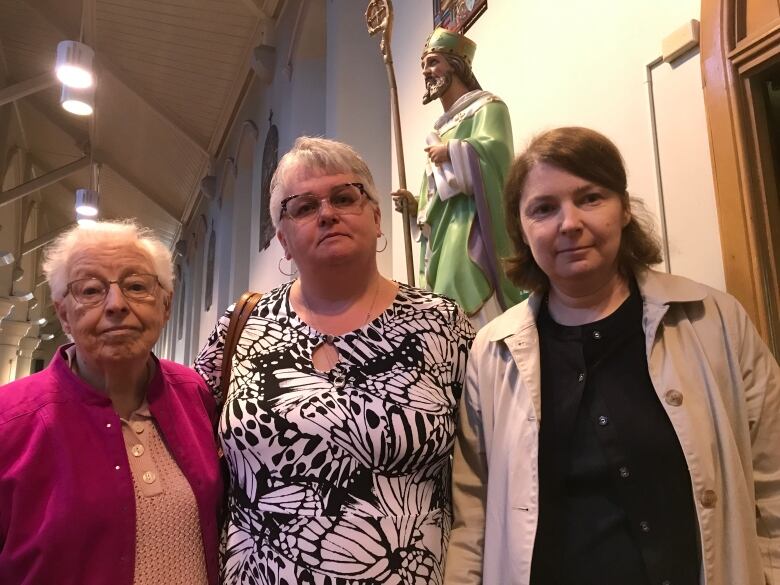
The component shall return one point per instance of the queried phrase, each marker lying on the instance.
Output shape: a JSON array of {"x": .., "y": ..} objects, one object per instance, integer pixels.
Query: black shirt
[{"x": 616, "y": 504}]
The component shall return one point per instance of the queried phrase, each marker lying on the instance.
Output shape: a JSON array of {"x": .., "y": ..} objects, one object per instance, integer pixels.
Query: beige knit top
[{"x": 168, "y": 542}]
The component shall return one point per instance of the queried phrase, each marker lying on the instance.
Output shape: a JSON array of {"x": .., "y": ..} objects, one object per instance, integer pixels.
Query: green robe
[{"x": 448, "y": 265}]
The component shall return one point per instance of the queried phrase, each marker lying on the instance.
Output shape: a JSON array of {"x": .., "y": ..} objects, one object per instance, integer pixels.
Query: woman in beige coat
[{"x": 622, "y": 425}]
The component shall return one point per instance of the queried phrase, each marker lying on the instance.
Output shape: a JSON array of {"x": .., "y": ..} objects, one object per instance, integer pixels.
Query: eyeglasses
[
  {"x": 93, "y": 290},
  {"x": 347, "y": 199}
]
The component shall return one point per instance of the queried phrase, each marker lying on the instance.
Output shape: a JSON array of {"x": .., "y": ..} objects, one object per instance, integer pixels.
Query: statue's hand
[
  {"x": 403, "y": 195},
  {"x": 438, "y": 153}
]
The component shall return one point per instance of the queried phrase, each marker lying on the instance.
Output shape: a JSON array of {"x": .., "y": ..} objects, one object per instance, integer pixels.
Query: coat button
[
  {"x": 603, "y": 421},
  {"x": 644, "y": 526},
  {"x": 709, "y": 498},
  {"x": 673, "y": 398}
]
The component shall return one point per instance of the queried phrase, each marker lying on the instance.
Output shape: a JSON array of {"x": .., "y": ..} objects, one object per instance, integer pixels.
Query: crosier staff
[{"x": 379, "y": 19}]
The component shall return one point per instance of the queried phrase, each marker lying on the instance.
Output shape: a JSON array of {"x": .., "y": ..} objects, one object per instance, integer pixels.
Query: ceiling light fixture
[
  {"x": 74, "y": 64},
  {"x": 87, "y": 199},
  {"x": 82, "y": 221},
  {"x": 87, "y": 202},
  {"x": 80, "y": 102}
]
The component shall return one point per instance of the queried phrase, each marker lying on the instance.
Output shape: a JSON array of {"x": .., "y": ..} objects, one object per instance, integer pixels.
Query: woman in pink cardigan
[{"x": 108, "y": 466}]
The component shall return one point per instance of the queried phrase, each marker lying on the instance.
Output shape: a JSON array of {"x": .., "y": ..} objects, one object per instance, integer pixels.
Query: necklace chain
[
  {"x": 329, "y": 338},
  {"x": 311, "y": 313}
]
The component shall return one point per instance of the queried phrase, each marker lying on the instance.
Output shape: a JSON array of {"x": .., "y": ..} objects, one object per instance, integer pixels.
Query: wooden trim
[
  {"x": 729, "y": 67},
  {"x": 767, "y": 218},
  {"x": 752, "y": 51},
  {"x": 722, "y": 104}
]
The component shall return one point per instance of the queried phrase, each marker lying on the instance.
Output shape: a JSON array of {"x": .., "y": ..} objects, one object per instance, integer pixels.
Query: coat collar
[{"x": 658, "y": 290}]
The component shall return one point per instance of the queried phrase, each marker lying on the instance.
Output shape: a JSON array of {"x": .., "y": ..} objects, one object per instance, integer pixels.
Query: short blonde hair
[
  {"x": 59, "y": 253},
  {"x": 311, "y": 156}
]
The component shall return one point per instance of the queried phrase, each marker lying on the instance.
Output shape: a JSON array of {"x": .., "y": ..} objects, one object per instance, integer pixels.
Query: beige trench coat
[{"x": 718, "y": 383}]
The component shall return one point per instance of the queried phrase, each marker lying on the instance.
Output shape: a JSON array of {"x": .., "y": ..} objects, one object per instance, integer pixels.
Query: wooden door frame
[{"x": 730, "y": 61}]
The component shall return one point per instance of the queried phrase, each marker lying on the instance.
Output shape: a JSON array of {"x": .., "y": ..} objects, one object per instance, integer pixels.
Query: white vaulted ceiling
[{"x": 170, "y": 76}]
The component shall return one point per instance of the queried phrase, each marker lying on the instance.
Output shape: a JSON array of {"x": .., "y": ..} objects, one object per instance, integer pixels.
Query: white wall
[
  {"x": 358, "y": 102},
  {"x": 567, "y": 62},
  {"x": 297, "y": 97},
  {"x": 571, "y": 62}
]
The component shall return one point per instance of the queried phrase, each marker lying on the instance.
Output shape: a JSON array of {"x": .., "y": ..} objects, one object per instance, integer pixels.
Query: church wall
[
  {"x": 297, "y": 98},
  {"x": 567, "y": 64},
  {"x": 358, "y": 103},
  {"x": 584, "y": 63}
]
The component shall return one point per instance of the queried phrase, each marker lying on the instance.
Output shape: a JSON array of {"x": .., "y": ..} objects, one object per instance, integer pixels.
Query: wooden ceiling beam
[
  {"x": 43, "y": 181},
  {"x": 33, "y": 245},
  {"x": 24, "y": 88},
  {"x": 257, "y": 8}
]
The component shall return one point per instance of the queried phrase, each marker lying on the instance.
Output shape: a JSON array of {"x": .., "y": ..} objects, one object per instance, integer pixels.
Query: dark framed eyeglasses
[
  {"x": 346, "y": 199},
  {"x": 93, "y": 289}
]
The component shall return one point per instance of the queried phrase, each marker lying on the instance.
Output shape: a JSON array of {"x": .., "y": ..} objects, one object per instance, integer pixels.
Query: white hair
[
  {"x": 312, "y": 156},
  {"x": 58, "y": 254}
]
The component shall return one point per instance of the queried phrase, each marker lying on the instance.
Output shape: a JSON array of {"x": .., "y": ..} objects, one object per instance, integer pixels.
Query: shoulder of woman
[
  {"x": 29, "y": 394},
  {"x": 662, "y": 288},
  {"x": 179, "y": 374}
]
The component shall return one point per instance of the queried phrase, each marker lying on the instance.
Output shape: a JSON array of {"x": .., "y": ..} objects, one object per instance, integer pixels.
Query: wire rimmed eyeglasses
[
  {"x": 93, "y": 290},
  {"x": 346, "y": 199}
]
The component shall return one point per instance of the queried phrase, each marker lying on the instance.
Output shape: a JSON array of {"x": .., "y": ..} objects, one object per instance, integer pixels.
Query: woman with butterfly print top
[{"x": 339, "y": 420}]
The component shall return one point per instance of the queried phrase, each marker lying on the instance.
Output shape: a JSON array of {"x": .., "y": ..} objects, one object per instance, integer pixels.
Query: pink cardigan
[{"x": 67, "y": 505}]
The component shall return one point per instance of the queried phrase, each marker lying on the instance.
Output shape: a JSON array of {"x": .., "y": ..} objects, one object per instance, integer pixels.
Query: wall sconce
[
  {"x": 74, "y": 64},
  {"x": 208, "y": 185},
  {"x": 180, "y": 249}
]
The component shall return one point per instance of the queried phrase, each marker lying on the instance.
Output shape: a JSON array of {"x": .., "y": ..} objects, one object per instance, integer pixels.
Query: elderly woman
[
  {"x": 621, "y": 426},
  {"x": 108, "y": 466},
  {"x": 340, "y": 416}
]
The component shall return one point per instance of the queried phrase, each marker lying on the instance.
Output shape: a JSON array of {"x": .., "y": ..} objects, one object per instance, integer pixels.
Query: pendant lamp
[
  {"x": 80, "y": 102},
  {"x": 74, "y": 64}
]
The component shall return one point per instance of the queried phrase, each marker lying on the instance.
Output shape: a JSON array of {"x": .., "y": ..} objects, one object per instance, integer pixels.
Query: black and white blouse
[{"x": 340, "y": 477}]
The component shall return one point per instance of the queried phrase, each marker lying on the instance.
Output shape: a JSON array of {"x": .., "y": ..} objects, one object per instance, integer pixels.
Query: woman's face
[
  {"x": 329, "y": 236},
  {"x": 117, "y": 329},
  {"x": 572, "y": 226}
]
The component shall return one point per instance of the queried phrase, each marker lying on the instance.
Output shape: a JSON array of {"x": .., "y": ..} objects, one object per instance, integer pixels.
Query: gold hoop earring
[
  {"x": 382, "y": 235},
  {"x": 294, "y": 270}
]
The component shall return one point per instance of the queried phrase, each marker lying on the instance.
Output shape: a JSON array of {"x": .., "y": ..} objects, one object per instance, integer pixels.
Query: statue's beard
[{"x": 435, "y": 87}]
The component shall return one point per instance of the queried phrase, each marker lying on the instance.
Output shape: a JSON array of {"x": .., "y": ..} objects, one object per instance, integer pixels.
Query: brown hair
[{"x": 590, "y": 156}]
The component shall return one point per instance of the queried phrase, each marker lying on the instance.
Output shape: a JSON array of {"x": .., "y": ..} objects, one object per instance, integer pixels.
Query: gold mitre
[{"x": 448, "y": 42}]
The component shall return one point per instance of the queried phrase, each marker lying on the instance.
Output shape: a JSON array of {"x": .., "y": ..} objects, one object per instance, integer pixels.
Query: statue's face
[{"x": 437, "y": 73}]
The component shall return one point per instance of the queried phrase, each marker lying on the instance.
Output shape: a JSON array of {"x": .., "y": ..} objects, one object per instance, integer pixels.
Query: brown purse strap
[{"x": 241, "y": 312}]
